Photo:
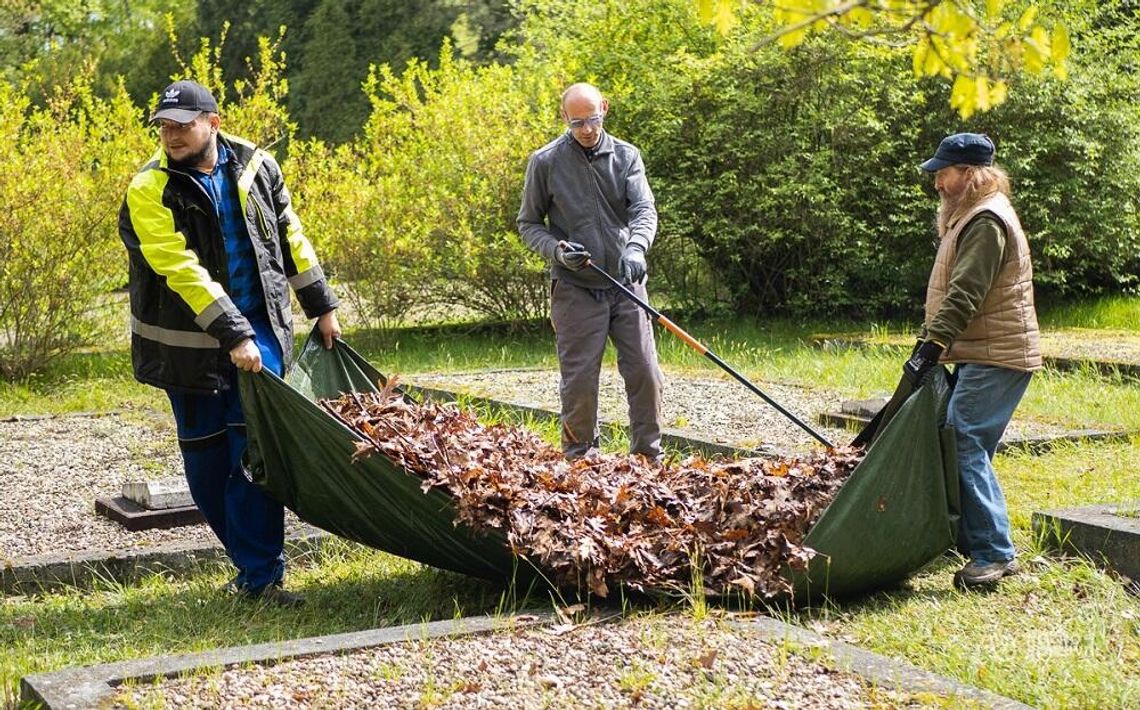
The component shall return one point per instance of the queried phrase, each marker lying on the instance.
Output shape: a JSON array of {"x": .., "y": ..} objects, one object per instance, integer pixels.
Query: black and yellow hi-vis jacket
[{"x": 183, "y": 323}]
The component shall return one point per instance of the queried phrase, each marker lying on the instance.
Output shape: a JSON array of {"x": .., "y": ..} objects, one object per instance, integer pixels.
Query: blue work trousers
[
  {"x": 211, "y": 435},
  {"x": 980, "y": 409}
]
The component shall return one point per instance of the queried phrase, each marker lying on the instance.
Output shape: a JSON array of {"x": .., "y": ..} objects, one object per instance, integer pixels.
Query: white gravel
[
  {"x": 52, "y": 470},
  {"x": 646, "y": 662},
  {"x": 717, "y": 409}
]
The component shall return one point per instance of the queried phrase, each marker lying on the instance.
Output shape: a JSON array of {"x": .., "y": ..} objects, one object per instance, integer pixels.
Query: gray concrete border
[
  {"x": 1034, "y": 445},
  {"x": 1109, "y": 535},
  {"x": 45, "y": 573},
  {"x": 878, "y": 669},
  {"x": 839, "y": 342},
  {"x": 94, "y": 686},
  {"x": 1108, "y": 368}
]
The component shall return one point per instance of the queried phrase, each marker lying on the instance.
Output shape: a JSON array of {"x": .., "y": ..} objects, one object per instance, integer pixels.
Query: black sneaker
[
  {"x": 273, "y": 594},
  {"x": 976, "y": 574}
]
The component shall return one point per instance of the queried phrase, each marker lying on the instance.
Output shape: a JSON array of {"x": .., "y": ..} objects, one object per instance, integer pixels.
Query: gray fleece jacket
[{"x": 602, "y": 201}]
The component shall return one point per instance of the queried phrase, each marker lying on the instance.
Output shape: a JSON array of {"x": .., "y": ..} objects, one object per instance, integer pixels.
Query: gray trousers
[{"x": 583, "y": 319}]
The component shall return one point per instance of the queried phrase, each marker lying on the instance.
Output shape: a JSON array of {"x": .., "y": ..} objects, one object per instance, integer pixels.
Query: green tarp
[
  {"x": 303, "y": 457},
  {"x": 894, "y": 514}
]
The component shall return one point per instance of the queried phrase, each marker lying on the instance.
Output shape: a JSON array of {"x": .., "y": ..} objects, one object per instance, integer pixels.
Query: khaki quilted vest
[{"x": 1004, "y": 331}]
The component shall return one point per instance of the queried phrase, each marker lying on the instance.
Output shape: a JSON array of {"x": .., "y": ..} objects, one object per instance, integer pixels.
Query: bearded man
[
  {"x": 215, "y": 248},
  {"x": 979, "y": 316}
]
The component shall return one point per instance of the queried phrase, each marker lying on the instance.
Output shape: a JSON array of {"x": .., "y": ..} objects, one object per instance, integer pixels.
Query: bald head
[
  {"x": 583, "y": 109},
  {"x": 581, "y": 90}
]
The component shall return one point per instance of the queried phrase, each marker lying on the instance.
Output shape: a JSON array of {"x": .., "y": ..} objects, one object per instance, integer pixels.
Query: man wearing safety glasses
[{"x": 586, "y": 201}]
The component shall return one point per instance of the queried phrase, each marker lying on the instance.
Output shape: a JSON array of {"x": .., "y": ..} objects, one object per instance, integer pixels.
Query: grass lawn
[{"x": 1062, "y": 634}]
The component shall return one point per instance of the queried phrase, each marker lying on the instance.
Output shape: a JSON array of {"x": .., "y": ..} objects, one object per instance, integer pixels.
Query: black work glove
[
  {"x": 572, "y": 255},
  {"x": 921, "y": 362},
  {"x": 632, "y": 264}
]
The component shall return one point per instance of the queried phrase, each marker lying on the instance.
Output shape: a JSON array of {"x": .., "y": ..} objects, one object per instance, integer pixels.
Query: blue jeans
[
  {"x": 980, "y": 409},
  {"x": 211, "y": 435}
]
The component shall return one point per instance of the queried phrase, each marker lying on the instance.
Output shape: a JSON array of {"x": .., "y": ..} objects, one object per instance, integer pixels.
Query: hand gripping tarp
[
  {"x": 302, "y": 456},
  {"x": 894, "y": 515}
]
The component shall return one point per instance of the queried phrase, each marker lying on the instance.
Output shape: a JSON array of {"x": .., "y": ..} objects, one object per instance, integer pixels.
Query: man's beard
[
  {"x": 948, "y": 210},
  {"x": 196, "y": 158}
]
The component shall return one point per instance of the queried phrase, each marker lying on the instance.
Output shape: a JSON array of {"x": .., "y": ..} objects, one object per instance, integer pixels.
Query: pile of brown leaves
[{"x": 609, "y": 518}]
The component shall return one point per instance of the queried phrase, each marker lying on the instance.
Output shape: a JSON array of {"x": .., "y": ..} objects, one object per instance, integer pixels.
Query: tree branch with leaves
[{"x": 977, "y": 46}]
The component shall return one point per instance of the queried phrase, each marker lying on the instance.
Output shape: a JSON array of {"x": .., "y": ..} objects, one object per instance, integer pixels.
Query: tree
[
  {"x": 977, "y": 46},
  {"x": 44, "y": 44},
  {"x": 328, "y": 103}
]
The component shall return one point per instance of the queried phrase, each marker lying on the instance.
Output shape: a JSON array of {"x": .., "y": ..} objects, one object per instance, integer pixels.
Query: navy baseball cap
[
  {"x": 961, "y": 149},
  {"x": 183, "y": 101}
]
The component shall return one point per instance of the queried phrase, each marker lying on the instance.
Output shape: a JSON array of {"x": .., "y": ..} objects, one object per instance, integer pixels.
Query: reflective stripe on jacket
[{"x": 183, "y": 323}]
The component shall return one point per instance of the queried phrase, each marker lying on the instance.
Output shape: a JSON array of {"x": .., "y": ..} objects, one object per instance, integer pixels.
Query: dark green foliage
[
  {"x": 329, "y": 108},
  {"x": 795, "y": 174},
  {"x": 248, "y": 21},
  {"x": 1072, "y": 148},
  {"x": 330, "y": 45},
  {"x": 45, "y": 44}
]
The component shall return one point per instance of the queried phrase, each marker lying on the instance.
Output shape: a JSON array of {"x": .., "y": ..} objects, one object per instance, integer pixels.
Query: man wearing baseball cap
[
  {"x": 981, "y": 317},
  {"x": 215, "y": 248}
]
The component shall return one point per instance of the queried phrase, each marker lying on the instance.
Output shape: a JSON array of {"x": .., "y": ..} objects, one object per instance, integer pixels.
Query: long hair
[{"x": 982, "y": 181}]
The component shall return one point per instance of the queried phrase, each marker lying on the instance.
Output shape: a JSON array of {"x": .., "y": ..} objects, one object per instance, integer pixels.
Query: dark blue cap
[
  {"x": 182, "y": 101},
  {"x": 961, "y": 149}
]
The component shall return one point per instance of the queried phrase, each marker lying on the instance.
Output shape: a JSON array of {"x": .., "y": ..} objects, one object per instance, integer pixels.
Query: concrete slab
[
  {"x": 159, "y": 494},
  {"x": 864, "y": 408},
  {"x": 1109, "y": 535},
  {"x": 881, "y": 670},
  {"x": 134, "y": 517},
  {"x": 46, "y": 573},
  {"x": 1127, "y": 370},
  {"x": 1037, "y": 445},
  {"x": 94, "y": 686}
]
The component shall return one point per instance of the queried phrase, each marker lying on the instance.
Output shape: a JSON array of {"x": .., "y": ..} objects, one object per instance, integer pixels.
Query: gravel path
[
  {"x": 709, "y": 408},
  {"x": 649, "y": 662},
  {"x": 53, "y": 469}
]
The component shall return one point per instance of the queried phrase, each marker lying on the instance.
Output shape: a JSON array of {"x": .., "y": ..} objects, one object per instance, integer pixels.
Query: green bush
[
  {"x": 66, "y": 167},
  {"x": 1072, "y": 148},
  {"x": 420, "y": 208},
  {"x": 795, "y": 174}
]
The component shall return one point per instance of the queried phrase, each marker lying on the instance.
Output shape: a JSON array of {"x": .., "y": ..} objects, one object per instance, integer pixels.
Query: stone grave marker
[
  {"x": 143, "y": 505},
  {"x": 1109, "y": 535}
]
